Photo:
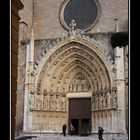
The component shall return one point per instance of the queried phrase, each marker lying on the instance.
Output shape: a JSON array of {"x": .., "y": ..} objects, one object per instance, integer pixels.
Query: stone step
[{"x": 91, "y": 137}]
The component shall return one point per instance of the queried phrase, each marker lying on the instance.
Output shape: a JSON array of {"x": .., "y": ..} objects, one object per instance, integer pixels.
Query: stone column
[
  {"x": 28, "y": 83},
  {"x": 26, "y": 93},
  {"x": 96, "y": 125},
  {"x": 120, "y": 85},
  {"x": 113, "y": 120},
  {"x": 107, "y": 120},
  {"x": 104, "y": 119}
]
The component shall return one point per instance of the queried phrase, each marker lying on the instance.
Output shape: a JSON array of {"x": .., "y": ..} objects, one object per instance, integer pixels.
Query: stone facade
[
  {"x": 25, "y": 24},
  {"x": 16, "y": 6},
  {"x": 55, "y": 64},
  {"x": 109, "y": 9}
]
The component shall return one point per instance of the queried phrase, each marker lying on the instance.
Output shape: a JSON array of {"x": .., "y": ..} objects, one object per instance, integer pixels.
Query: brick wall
[
  {"x": 47, "y": 24},
  {"x": 111, "y": 9}
]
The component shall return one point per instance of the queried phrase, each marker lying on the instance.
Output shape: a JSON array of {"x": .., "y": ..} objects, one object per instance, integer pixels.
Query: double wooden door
[{"x": 80, "y": 115}]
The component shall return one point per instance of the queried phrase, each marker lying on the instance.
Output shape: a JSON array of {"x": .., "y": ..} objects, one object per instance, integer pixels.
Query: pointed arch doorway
[
  {"x": 72, "y": 73},
  {"x": 79, "y": 114}
]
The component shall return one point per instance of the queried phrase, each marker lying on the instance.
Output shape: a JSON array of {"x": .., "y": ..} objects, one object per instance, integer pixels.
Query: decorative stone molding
[
  {"x": 58, "y": 52},
  {"x": 79, "y": 94}
]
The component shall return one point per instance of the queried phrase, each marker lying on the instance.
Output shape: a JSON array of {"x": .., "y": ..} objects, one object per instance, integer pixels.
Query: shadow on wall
[{"x": 26, "y": 137}]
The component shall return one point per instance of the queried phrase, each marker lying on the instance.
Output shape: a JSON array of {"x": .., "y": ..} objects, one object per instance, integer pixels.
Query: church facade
[{"x": 68, "y": 72}]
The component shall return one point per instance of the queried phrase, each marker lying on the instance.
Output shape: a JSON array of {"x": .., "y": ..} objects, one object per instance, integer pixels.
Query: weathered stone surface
[{"x": 71, "y": 62}]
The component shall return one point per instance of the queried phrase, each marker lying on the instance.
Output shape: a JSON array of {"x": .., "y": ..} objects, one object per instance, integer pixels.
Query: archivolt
[{"x": 63, "y": 63}]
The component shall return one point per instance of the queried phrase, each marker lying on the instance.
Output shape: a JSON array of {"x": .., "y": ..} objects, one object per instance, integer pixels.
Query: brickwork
[
  {"x": 43, "y": 18},
  {"x": 111, "y": 9}
]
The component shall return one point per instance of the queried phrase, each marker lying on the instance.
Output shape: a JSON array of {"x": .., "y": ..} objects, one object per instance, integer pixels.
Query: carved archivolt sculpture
[
  {"x": 79, "y": 83},
  {"x": 104, "y": 100},
  {"x": 49, "y": 101},
  {"x": 31, "y": 102},
  {"x": 38, "y": 102}
]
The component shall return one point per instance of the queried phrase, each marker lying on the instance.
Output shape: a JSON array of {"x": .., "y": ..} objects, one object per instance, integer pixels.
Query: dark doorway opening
[
  {"x": 85, "y": 127},
  {"x": 75, "y": 123},
  {"x": 80, "y": 115}
]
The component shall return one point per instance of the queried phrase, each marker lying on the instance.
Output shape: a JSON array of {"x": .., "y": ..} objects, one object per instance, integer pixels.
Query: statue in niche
[
  {"x": 101, "y": 101},
  {"x": 85, "y": 83},
  {"x": 104, "y": 100},
  {"x": 31, "y": 102},
  {"x": 96, "y": 101},
  {"x": 93, "y": 102},
  {"x": 87, "y": 86},
  {"x": 45, "y": 102},
  {"x": 103, "y": 96},
  {"x": 38, "y": 102},
  {"x": 111, "y": 101},
  {"x": 63, "y": 103},
  {"x": 71, "y": 87},
  {"x": 74, "y": 87},
  {"x": 48, "y": 100},
  {"x": 114, "y": 99},
  {"x": 80, "y": 86},
  {"x": 57, "y": 103},
  {"x": 52, "y": 103},
  {"x": 108, "y": 100}
]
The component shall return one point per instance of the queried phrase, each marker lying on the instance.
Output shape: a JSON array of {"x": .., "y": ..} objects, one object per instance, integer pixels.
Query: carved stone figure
[
  {"x": 48, "y": 100},
  {"x": 108, "y": 100},
  {"x": 45, "y": 102},
  {"x": 73, "y": 25},
  {"x": 104, "y": 101},
  {"x": 31, "y": 102},
  {"x": 100, "y": 100},
  {"x": 71, "y": 87},
  {"x": 111, "y": 101},
  {"x": 74, "y": 87},
  {"x": 80, "y": 86},
  {"x": 57, "y": 103},
  {"x": 114, "y": 99},
  {"x": 51, "y": 103},
  {"x": 54, "y": 102},
  {"x": 96, "y": 102},
  {"x": 93, "y": 102},
  {"x": 63, "y": 103},
  {"x": 38, "y": 102}
]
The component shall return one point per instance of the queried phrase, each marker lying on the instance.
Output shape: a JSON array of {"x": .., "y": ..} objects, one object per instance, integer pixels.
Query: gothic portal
[
  {"x": 73, "y": 67},
  {"x": 70, "y": 72}
]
